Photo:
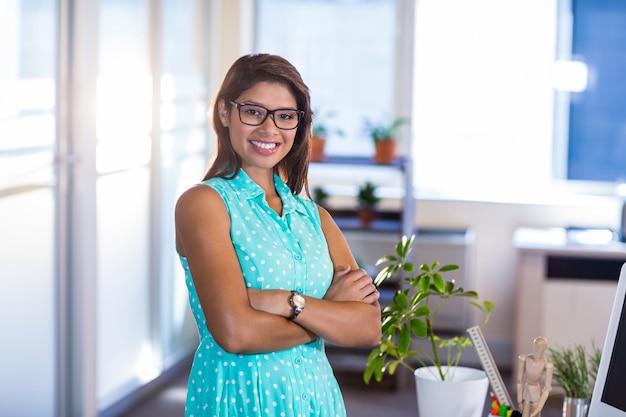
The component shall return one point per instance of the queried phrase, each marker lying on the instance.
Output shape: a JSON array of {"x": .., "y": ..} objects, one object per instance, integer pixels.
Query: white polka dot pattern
[{"x": 286, "y": 252}]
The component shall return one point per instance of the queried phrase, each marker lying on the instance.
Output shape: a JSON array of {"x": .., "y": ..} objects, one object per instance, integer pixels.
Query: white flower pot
[{"x": 463, "y": 395}]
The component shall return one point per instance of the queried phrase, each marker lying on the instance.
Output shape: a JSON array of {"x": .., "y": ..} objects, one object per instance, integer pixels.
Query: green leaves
[
  {"x": 412, "y": 312},
  {"x": 398, "y": 262},
  {"x": 418, "y": 328},
  {"x": 384, "y": 130},
  {"x": 574, "y": 369}
]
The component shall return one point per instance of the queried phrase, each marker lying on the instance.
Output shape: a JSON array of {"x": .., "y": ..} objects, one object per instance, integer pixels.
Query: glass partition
[
  {"x": 27, "y": 208},
  {"x": 123, "y": 150},
  {"x": 93, "y": 300},
  {"x": 184, "y": 99}
]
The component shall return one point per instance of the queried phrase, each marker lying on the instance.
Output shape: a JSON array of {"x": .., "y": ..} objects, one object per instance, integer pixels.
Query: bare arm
[
  {"x": 349, "y": 314},
  {"x": 203, "y": 237}
]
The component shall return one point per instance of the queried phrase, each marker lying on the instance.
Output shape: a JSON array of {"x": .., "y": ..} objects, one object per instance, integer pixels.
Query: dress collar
[{"x": 248, "y": 189}]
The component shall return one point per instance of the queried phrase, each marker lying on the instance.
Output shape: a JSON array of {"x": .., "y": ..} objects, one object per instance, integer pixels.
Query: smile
[{"x": 264, "y": 145}]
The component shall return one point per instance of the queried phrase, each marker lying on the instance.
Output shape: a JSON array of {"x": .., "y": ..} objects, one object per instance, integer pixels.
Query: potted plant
[
  {"x": 384, "y": 136},
  {"x": 367, "y": 201},
  {"x": 411, "y": 318},
  {"x": 320, "y": 132},
  {"x": 320, "y": 196},
  {"x": 575, "y": 371}
]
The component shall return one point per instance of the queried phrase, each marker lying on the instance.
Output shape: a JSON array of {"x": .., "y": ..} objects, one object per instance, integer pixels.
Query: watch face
[{"x": 299, "y": 301}]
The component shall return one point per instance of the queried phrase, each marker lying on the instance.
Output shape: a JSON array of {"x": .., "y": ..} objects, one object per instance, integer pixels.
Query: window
[
  {"x": 481, "y": 94},
  {"x": 483, "y": 98},
  {"x": 345, "y": 51},
  {"x": 595, "y": 128},
  {"x": 484, "y": 113}
]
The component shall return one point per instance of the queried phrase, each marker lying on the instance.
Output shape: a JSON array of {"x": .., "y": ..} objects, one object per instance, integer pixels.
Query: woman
[{"x": 270, "y": 275}]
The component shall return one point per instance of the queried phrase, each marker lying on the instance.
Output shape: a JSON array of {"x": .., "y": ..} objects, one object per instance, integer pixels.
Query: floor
[{"x": 374, "y": 400}]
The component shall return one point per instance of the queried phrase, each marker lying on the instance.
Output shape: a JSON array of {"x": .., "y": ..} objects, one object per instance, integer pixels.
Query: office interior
[{"x": 103, "y": 123}]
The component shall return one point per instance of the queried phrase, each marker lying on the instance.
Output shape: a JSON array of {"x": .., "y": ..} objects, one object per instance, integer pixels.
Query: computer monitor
[{"x": 609, "y": 393}]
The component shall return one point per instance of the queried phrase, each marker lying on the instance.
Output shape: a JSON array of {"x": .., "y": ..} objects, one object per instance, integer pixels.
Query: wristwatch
[{"x": 297, "y": 303}]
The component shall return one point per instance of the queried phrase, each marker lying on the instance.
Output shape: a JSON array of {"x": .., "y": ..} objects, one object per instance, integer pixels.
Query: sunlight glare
[
  {"x": 570, "y": 76},
  {"x": 168, "y": 87},
  {"x": 146, "y": 369},
  {"x": 123, "y": 105}
]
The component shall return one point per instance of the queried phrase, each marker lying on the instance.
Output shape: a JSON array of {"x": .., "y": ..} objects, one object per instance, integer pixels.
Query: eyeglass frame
[{"x": 267, "y": 114}]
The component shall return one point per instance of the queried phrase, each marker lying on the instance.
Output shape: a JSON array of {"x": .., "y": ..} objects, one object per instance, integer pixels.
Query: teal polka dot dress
[{"x": 275, "y": 252}]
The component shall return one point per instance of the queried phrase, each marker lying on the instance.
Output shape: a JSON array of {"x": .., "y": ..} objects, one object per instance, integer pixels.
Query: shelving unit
[{"x": 342, "y": 175}]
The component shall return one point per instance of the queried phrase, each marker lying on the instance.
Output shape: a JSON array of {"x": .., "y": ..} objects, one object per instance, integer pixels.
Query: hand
[{"x": 349, "y": 285}]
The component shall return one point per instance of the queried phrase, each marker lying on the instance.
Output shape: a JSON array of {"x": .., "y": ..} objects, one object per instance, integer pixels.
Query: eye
[
  {"x": 286, "y": 114},
  {"x": 253, "y": 111}
]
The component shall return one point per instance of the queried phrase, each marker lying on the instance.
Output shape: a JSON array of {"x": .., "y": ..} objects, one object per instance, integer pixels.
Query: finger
[
  {"x": 372, "y": 297},
  {"x": 367, "y": 289},
  {"x": 363, "y": 278}
]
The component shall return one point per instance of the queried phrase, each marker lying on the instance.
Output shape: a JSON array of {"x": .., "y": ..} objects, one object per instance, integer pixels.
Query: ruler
[{"x": 489, "y": 365}]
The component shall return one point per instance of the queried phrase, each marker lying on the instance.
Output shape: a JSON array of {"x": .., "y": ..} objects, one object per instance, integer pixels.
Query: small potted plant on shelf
[
  {"x": 575, "y": 371},
  {"x": 410, "y": 319},
  {"x": 367, "y": 201},
  {"x": 320, "y": 196},
  {"x": 384, "y": 136},
  {"x": 319, "y": 134}
]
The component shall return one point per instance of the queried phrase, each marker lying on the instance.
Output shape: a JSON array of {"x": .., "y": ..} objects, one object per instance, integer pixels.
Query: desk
[{"x": 565, "y": 287}]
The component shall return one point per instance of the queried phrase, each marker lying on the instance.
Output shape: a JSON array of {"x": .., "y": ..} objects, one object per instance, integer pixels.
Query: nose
[{"x": 270, "y": 115}]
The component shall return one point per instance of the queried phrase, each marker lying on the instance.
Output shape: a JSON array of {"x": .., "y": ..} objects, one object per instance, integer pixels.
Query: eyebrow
[{"x": 254, "y": 103}]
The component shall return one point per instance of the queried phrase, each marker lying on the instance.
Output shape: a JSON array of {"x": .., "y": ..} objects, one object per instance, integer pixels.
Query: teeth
[{"x": 264, "y": 145}]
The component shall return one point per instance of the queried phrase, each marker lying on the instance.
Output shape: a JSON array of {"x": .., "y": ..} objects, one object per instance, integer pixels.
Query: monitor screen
[
  {"x": 608, "y": 399},
  {"x": 613, "y": 393}
]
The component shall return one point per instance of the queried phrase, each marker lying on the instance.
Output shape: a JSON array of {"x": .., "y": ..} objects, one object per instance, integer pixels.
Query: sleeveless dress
[{"x": 275, "y": 252}]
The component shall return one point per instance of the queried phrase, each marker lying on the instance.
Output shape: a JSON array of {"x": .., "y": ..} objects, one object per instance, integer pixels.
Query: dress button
[
  {"x": 298, "y": 361},
  {"x": 297, "y": 256},
  {"x": 305, "y": 396}
]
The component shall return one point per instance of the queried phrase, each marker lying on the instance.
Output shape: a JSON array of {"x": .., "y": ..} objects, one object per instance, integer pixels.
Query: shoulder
[
  {"x": 198, "y": 210},
  {"x": 198, "y": 194},
  {"x": 199, "y": 201}
]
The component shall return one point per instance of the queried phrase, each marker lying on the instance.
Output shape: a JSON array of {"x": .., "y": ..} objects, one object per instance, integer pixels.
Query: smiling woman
[{"x": 269, "y": 274}]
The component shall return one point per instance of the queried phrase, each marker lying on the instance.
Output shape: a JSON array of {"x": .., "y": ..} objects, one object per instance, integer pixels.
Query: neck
[{"x": 264, "y": 179}]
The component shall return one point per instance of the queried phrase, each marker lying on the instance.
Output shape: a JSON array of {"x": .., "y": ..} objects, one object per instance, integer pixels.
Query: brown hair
[{"x": 245, "y": 72}]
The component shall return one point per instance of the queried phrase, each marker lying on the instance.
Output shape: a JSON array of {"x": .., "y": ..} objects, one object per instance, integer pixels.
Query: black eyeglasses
[{"x": 255, "y": 115}]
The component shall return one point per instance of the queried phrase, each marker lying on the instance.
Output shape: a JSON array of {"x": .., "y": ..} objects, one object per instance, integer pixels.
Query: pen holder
[{"x": 576, "y": 407}]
